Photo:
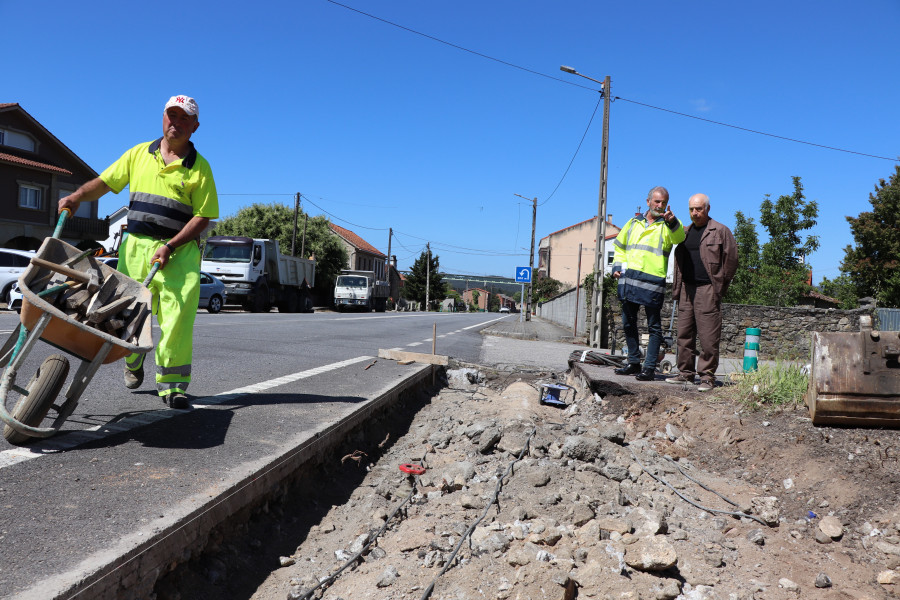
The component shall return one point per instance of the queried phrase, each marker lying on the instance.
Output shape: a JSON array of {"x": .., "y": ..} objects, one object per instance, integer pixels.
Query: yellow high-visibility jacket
[{"x": 642, "y": 256}]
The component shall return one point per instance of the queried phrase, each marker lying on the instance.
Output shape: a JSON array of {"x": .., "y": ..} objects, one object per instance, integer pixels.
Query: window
[
  {"x": 30, "y": 197},
  {"x": 16, "y": 140}
]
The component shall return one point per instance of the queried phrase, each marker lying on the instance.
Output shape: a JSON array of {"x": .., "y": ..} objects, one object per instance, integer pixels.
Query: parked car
[
  {"x": 112, "y": 261},
  {"x": 14, "y": 298},
  {"x": 212, "y": 292},
  {"x": 504, "y": 309},
  {"x": 12, "y": 264}
]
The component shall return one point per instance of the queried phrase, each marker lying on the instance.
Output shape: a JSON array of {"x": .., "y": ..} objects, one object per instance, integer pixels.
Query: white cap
[{"x": 186, "y": 103}]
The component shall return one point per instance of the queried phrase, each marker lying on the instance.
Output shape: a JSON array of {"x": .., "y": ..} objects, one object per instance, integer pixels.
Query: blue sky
[{"x": 381, "y": 127}]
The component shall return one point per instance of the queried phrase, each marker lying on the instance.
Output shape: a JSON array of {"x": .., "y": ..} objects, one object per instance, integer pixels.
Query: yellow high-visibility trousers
[{"x": 176, "y": 293}]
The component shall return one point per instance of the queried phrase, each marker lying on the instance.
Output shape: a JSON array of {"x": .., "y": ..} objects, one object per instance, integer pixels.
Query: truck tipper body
[
  {"x": 258, "y": 276},
  {"x": 360, "y": 290}
]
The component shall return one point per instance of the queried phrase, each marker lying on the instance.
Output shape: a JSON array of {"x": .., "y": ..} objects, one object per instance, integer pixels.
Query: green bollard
[{"x": 751, "y": 349}]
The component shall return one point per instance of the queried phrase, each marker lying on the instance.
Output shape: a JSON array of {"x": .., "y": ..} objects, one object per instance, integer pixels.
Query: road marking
[
  {"x": 482, "y": 324},
  {"x": 75, "y": 438},
  {"x": 415, "y": 344}
]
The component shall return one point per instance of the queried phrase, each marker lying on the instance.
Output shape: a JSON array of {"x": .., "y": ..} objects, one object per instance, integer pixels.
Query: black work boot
[
  {"x": 646, "y": 375},
  {"x": 134, "y": 379},
  {"x": 629, "y": 369}
]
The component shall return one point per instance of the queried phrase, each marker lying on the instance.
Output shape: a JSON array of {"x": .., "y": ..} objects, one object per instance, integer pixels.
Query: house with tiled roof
[
  {"x": 558, "y": 252},
  {"x": 36, "y": 170},
  {"x": 363, "y": 256}
]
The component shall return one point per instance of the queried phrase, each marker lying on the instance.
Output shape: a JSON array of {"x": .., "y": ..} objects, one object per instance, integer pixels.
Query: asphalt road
[
  {"x": 233, "y": 349},
  {"x": 124, "y": 466}
]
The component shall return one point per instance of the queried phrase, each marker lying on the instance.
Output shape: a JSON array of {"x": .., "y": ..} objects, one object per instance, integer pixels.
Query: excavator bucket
[{"x": 855, "y": 378}]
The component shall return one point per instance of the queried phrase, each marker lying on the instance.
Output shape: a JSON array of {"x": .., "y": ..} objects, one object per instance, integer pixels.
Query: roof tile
[{"x": 355, "y": 240}]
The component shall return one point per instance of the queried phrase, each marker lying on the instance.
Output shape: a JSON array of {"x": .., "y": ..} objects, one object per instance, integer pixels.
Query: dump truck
[
  {"x": 360, "y": 290},
  {"x": 258, "y": 276}
]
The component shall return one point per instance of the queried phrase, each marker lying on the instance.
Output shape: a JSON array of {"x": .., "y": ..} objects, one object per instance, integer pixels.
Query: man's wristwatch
[{"x": 167, "y": 245}]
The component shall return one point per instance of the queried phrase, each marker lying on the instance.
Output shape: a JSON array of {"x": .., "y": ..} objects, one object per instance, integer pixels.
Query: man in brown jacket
[{"x": 705, "y": 264}]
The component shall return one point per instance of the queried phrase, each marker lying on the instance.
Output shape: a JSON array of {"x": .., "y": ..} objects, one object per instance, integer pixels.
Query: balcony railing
[{"x": 96, "y": 229}]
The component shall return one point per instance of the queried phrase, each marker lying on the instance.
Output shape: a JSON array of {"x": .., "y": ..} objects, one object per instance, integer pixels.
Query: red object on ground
[{"x": 412, "y": 469}]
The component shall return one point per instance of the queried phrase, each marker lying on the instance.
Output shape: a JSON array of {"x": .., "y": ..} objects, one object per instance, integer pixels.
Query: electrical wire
[
  {"x": 780, "y": 137},
  {"x": 449, "y": 563},
  {"x": 435, "y": 39},
  {"x": 584, "y": 135},
  {"x": 333, "y": 216},
  {"x": 693, "y": 503},
  {"x": 515, "y": 66},
  {"x": 372, "y": 539}
]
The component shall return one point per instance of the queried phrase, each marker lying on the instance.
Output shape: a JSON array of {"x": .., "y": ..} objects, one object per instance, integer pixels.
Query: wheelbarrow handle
[
  {"x": 153, "y": 269},
  {"x": 63, "y": 215}
]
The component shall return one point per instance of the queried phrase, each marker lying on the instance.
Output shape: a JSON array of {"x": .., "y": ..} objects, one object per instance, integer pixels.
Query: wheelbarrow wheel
[{"x": 43, "y": 389}]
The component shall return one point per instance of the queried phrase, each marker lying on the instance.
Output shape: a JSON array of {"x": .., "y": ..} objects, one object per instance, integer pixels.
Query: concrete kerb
[{"x": 131, "y": 569}]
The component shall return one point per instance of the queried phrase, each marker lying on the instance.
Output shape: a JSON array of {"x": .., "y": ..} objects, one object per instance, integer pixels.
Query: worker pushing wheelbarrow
[{"x": 82, "y": 307}]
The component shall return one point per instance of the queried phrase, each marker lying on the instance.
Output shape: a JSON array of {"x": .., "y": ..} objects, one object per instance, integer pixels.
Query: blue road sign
[{"x": 523, "y": 274}]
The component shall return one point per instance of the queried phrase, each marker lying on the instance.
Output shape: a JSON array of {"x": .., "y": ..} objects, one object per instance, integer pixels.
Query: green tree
[
  {"x": 493, "y": 302},
  {"x": 414, "y": 288},
  {"x": 873, "y": 264},
  {"x": 544, "y": 288},
  {"x": 841, "y": 288},
  {"x": 475, "y": 295},
  {"x": 741, "y": 289},
  {"x": 783, "y": 276},
  {"x": 780, "y": 276},
  {"x": 276, "y": 221}
]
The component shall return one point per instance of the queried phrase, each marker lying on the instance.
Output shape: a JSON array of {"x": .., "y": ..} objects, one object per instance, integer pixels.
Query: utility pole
[
  {"x": 303, "y": 239},
  {"x": 427, "y": 274},
  {"x": 527, "y": 304},
  {"x": 296, "y": 211},
  {"x": 600, "y": 256},
  {"x": 388, "y": 264},
  {"x": 577, "y": 289},
  {"x": 600, "y": 246}
]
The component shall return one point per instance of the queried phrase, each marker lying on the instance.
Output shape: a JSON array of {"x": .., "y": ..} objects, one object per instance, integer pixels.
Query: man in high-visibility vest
[
  {"x": 172, "y": 199},
  {"x": 640, "y": 264}
]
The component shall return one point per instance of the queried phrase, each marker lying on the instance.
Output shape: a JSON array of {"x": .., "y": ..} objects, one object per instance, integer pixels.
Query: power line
[
  {"x": 340, "y": 219},
  {"x": 431, "y": 37},
  {"x": 584, "y": 135},
  {"x": 780, "y": 137},
  {"x": 675, "y": 112}
]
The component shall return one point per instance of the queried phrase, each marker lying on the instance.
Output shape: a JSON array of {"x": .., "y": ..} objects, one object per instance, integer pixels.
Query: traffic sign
[{"x": 523, "y": 274}]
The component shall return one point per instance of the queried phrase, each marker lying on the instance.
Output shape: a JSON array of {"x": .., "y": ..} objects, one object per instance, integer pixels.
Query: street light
[{"x": 600, "y": 246}]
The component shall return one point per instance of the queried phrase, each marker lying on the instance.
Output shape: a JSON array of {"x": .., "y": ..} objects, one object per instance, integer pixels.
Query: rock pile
[{"x": 525, "y": 501}]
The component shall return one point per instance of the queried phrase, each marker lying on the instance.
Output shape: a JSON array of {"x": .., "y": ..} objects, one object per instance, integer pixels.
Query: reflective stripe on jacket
[
  {"x": 642, "y": 256},
  {"x": 163, "y": 197}
]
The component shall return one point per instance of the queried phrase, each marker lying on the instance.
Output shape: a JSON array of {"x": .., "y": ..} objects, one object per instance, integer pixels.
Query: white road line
[
  {"x": 483, "y": 323},
  {"x": 72, "y": 439},
  {"x": 415, "y": 344}
]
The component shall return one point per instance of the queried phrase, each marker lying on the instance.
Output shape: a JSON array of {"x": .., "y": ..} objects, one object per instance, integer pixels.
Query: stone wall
[{"x": 785, "y": 330}]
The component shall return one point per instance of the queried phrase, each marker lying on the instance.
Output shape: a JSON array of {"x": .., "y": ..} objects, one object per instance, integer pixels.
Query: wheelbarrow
[{"x": 56, "y": 269}]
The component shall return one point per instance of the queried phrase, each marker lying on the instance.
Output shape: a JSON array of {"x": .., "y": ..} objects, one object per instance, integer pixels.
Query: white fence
[{"x": 562, "y": 311}]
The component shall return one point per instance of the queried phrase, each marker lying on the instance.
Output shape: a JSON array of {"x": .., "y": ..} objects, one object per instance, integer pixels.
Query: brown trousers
[{"x": 699, "y": 316}]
